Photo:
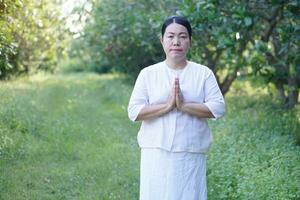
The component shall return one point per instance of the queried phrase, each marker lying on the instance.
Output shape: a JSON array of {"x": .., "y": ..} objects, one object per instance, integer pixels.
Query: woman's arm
[
  {"x": 153, "y": 111},
  {"x": 213, "y": 96},
  {"x": 196, "y": 109},
  {"x": 139, "y": 107}
]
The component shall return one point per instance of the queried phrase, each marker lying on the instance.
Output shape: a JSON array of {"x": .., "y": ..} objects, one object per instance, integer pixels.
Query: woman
[{"x": 173, "y": 99}]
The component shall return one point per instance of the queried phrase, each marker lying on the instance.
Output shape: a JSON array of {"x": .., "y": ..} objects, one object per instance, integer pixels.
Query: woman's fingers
[
  {"x": 178, "y": 94},
  {"x": 172, "y": 98}
]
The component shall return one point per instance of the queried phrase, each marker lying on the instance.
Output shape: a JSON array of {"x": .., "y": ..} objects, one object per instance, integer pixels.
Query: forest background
[{"x": 252, "y": 46}]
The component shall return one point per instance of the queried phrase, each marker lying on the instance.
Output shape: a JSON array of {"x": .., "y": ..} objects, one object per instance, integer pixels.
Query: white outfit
[
  {"x": 172, "y": 176},
  {"x": 175, "y": 135},
  {"x": 176, "y": 131}
]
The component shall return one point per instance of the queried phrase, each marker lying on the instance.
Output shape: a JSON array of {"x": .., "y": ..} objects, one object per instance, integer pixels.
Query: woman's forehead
[{"x": 176, "y": 28}]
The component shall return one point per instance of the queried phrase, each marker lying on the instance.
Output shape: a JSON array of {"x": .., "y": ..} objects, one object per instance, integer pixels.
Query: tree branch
[{"x": 276, "y": 17}]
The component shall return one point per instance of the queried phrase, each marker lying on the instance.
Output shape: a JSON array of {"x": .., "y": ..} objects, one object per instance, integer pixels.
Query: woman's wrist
[
  {"x": 196, "y": 109},
  {"x": 168, "y": 108},
  {"x": 182, "y": 107}
]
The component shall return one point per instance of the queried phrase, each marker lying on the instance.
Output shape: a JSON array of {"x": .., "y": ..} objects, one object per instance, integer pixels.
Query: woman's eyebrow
[{"x": 178, "y": 33}]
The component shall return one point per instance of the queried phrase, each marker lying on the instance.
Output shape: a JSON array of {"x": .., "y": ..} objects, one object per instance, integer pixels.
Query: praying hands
[{"x": 176, "y": 98}]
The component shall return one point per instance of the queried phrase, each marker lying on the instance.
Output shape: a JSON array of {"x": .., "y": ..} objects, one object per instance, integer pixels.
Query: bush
[
  {"x": 255, "y": 153},
  {"x": 72, "y": 65}
]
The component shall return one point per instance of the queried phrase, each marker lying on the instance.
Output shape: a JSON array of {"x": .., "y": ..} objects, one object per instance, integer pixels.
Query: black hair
[{"x": 178, "y": 20}]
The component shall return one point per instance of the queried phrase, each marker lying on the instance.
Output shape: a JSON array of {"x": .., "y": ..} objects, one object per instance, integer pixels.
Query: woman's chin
[{"x": 177, "y": 57}]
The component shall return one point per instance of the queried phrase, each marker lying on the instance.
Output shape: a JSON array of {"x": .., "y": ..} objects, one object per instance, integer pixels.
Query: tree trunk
[
  {"x": 225, "y": 86},
  {"x": 281, "y": 94},
  {"x": 293, "y": 92}
]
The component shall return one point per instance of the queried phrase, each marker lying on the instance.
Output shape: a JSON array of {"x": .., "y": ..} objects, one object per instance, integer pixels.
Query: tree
[
  {"x": 7, "y": 47},
  {"x": 123, "y": 35},
  {"x": 278, "y": 41},
  {"x": 35, "y": 37},
  {"x": 222, "y": 32},
  {"x": 230, "y": 37}
]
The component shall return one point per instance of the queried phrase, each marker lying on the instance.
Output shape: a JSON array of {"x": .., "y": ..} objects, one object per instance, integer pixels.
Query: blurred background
[{"x": 67, "y": 69}]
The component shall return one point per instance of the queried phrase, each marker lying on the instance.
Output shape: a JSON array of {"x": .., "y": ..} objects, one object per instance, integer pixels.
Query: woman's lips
[{"x": 176, "y": 50}]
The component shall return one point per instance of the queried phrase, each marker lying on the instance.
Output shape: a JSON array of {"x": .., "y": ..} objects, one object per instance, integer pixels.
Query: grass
[{"x": 68, "y": 137}]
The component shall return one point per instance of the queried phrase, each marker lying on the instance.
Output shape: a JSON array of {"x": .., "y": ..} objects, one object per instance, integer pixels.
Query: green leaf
[{"x": 247, "y": 21}]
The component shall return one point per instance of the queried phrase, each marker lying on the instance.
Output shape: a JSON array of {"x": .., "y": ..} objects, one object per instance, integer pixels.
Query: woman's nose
[{"x": 176, "y": 41}]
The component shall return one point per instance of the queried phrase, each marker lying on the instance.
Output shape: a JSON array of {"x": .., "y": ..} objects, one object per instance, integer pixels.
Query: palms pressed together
[{"x": 176, "y": 98}]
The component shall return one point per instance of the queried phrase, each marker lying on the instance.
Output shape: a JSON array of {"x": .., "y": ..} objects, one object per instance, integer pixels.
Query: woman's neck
[{"x": 176, "y": 64}]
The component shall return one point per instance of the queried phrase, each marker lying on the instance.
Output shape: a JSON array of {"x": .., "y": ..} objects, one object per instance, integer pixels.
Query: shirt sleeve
[
  {"x": 139, "y": 97},
  {"x": 213, "y": 98}
]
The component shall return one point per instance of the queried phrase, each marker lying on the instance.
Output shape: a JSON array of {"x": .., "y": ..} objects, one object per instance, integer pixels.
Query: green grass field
[{"x": 68, "y": 137}]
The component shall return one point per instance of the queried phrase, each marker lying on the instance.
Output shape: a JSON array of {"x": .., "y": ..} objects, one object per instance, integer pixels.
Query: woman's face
[{"x": 176, "y": 42}]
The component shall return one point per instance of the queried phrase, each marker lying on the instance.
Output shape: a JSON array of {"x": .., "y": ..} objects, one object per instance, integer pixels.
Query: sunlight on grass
[{"x": 247, "y": 87}]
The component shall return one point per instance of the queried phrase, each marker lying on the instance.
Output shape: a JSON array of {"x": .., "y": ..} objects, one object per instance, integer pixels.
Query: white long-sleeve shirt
[{"x": 176, "y": 131}]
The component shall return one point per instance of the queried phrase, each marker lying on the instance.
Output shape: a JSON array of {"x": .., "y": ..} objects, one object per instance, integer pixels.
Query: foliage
[
  {"x": 7, "y": 47},
  {"x": 32, "y": 37},
  {"x": 122, "y": 36},
  {"x": 231, "y": 37},
  {"x": 68, "y": 65},
  {"x": 234, "y": 36},
  {"x": 221, "y": 35},
  {"x": 255, "y": 156},
  {"x": 276, "y": 50},
  {"x": 68, "y": 137}
]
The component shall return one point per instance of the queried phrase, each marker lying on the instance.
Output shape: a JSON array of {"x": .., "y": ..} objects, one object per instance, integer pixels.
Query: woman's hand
[
  {"x": 178, "y": 95},
  {"x": 171, "y": 103},
  {"x": 175, "y": 100},
  {"x": 196, "y": 109},
  {"x": 157, "y": 110}
]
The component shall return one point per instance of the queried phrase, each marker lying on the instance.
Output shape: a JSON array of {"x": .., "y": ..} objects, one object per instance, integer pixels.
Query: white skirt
[{"x": 168, "y": 175}]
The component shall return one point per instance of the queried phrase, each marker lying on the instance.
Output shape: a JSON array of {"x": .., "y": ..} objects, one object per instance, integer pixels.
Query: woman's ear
[
  {"x": 191, "y": 42},
  {"x": 161, "y": 39}
]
